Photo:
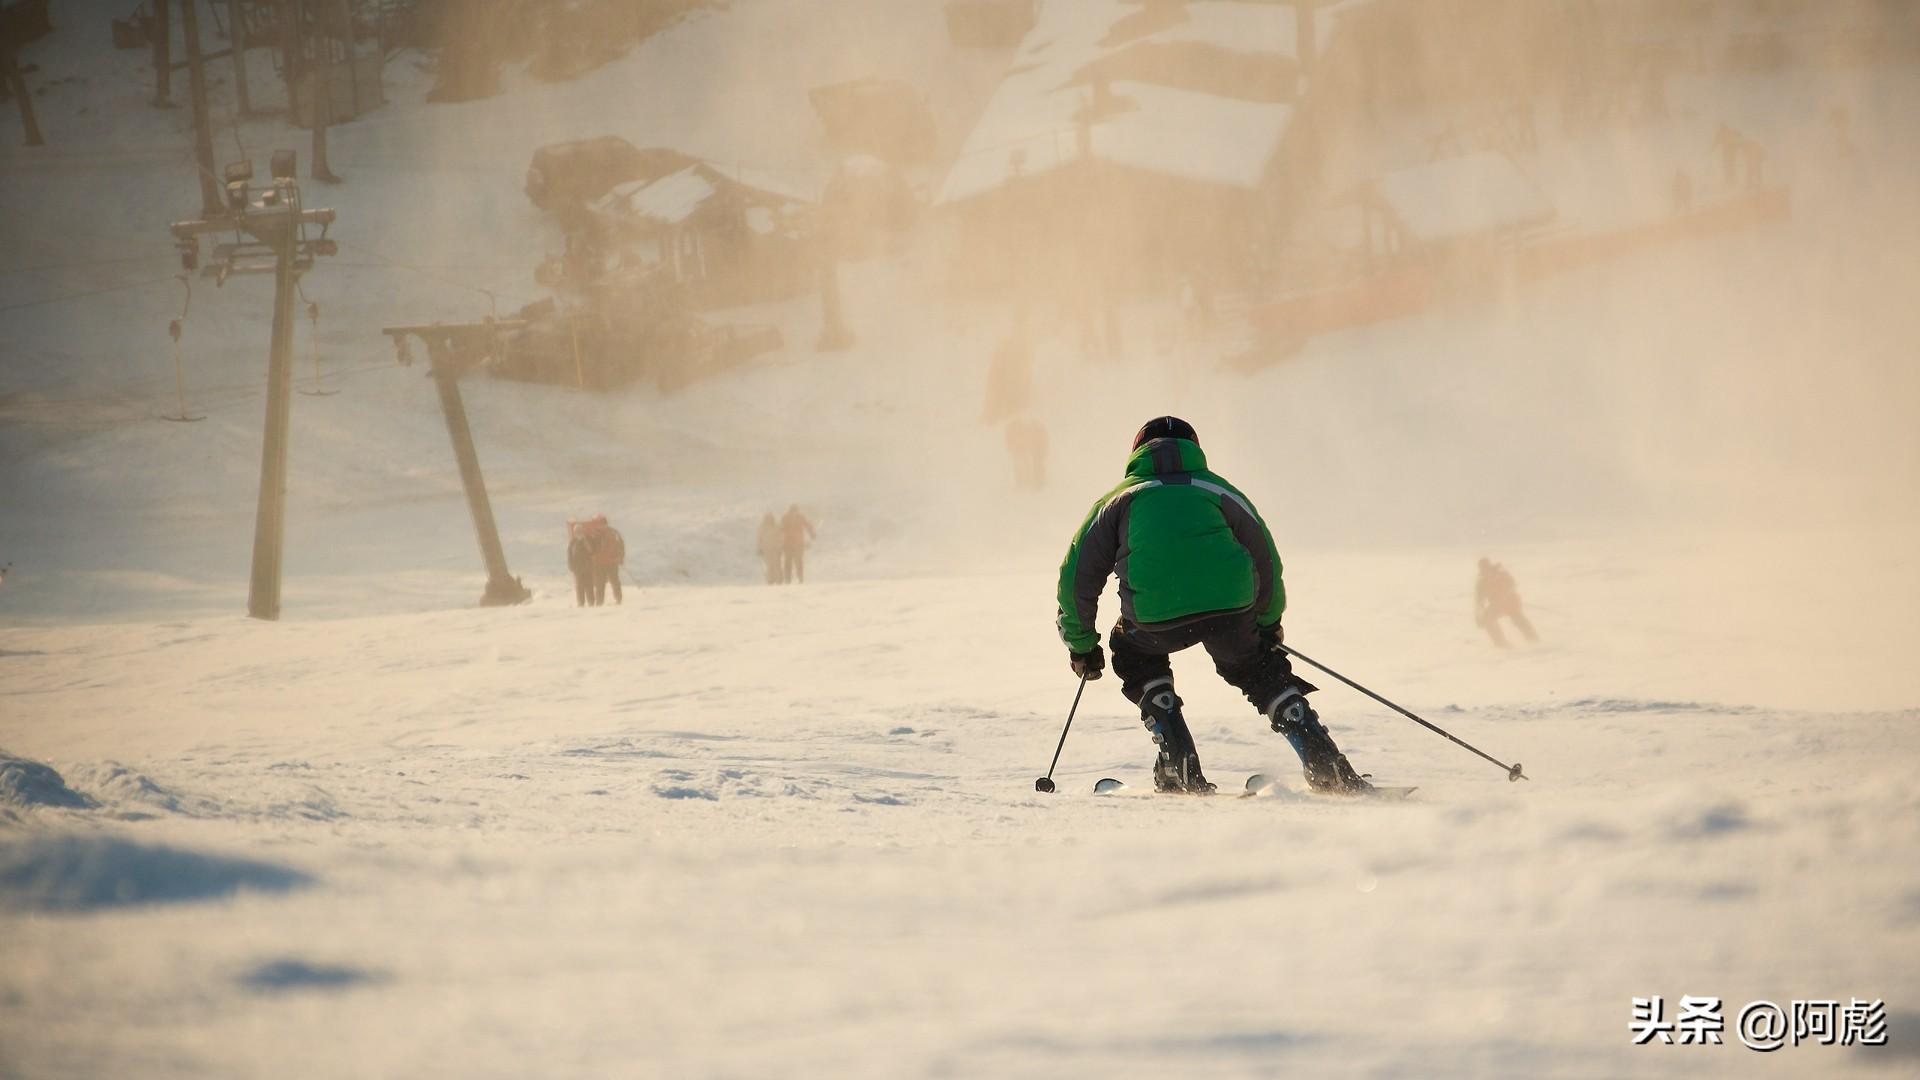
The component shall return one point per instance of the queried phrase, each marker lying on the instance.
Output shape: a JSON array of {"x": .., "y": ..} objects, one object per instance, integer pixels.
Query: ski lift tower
[
  {"x": 269, "y": 235},
  {"x": 452, "y": 348}
]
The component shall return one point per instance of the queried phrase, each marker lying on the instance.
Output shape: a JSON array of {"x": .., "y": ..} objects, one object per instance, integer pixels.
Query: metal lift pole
[
  {"x": 502, "y": 587},
  {"x": 449, "y": 348}
]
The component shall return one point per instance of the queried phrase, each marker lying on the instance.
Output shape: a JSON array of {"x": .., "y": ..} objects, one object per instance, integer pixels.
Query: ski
[
  {"x": 1260, "y": 782},
  {"x": 1107, "y": 785}
]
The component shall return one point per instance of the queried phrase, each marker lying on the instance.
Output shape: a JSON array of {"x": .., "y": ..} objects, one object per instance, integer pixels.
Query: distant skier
[
  {"x": 1027, "y": 445},
  {"x": 1010, "y": 374},
  {"x": 609, "y": 551},
  {"x": 1741, "y": 155},
  {"x": 580, "y": 563},
  {"x": 1197, "y": 566},
  {"x": 1729, "y": 143},
  {"x": 1196, "y": 305},
  {"x": 1495, "y": 595},
  {"x": 795, "y": 533},
  {"x": 770, "y": 545}
]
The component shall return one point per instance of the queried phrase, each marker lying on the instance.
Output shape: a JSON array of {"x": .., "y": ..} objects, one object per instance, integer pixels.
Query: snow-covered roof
[
  {"x": 793, "y": 185},
  {"x": 668, "y": 200},
  {"x": 1030, "y": 125},
  {"x": 677, "y": 196},
  {"x": 1191, "y": 135},
  {"x": 1463, "y": 196}
]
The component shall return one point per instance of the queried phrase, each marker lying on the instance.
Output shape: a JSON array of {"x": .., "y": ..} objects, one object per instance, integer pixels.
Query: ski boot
[
  {"x": 1177, "y": 769},
  {"x": 1326, "y": 768}
]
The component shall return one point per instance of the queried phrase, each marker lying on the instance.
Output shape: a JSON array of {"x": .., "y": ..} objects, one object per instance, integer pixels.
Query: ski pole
[
  {"x": 1045, "y": 783},
  {"x": 1513, "y": 770}
]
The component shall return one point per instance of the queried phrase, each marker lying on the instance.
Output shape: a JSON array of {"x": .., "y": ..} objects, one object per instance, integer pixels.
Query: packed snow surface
[{"x": 738, "y": 830}]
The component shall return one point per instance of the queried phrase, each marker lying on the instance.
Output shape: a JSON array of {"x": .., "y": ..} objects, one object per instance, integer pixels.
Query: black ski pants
[{"x": 1140, "y": 656}]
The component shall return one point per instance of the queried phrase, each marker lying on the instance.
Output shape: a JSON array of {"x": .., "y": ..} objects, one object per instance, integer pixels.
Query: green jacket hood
[{"x": 1159, "y": 457}]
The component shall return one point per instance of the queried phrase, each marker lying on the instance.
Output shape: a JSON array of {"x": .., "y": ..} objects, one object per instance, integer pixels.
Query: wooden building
[{"x": 726, "y": 236}]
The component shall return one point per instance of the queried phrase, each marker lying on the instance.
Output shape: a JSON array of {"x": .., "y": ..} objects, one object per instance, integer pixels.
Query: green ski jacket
[{"x": 1184, "y": 543}]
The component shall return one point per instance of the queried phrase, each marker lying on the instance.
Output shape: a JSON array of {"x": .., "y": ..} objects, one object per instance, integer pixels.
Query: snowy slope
[
  {"x": 731, "y": 831},
  {"x": 726, "y": 830}
]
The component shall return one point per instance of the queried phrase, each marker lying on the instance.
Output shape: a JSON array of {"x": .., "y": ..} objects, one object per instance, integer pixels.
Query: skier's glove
[
  {"x": 1088, "y": 665},
  {"x": 1271, "y": 637}
]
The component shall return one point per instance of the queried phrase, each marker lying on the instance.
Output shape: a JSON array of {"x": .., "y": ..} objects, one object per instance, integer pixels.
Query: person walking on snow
[
  {"x": 1027, "y": 444},
  {"x": 609, "y": 551},
  {"x": 1197, "y": 566},
  {"x": 580, "y": 562},
  {"x": 795, "y": 533},
  {"x": 769, "y": 542}
]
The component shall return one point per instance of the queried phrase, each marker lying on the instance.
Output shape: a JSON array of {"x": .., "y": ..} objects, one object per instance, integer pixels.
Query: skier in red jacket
[{"x": 609, "y": 551}]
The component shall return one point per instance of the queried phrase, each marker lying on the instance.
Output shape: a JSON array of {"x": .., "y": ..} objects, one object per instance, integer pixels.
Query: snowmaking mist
[
  {"x": 1756, "y": 380},
  {"x": 1741, "y": 398}
]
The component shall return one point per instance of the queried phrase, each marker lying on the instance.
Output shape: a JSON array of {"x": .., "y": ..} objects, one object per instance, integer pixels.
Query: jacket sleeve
[
  {"x": 1083, "y": 575},
  {"x": 1270, "y": 592}
]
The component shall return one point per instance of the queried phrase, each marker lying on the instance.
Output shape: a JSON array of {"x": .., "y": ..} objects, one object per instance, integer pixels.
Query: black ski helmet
[{"x": 1165, "y": 427}]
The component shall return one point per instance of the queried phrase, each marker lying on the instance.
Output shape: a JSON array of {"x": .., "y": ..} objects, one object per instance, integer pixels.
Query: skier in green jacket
[{"x": 1196, "y": 567}]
